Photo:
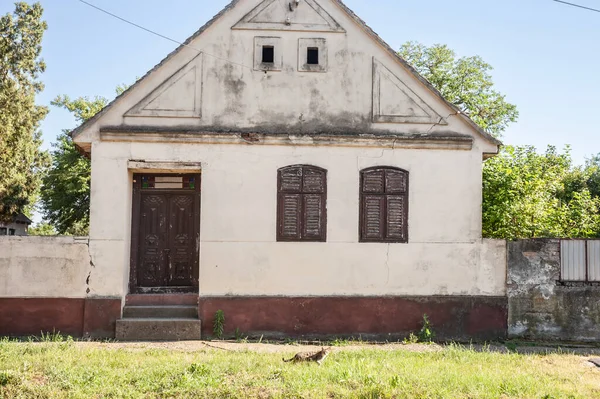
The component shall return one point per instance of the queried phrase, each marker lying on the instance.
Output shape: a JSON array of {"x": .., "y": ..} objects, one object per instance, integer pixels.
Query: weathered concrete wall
[
  {"x": 239, "y": 253},
  {"x": 43, "y": 267},
  {"x": 539, "y": 307},
  {"x": 44, "y": 288}
]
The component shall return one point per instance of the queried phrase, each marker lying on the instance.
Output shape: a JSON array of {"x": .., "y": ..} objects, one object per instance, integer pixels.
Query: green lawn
[{"x": 91, "y": 370}]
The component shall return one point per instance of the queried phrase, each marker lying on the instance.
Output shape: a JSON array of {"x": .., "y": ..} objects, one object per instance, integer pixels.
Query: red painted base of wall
[
  {"x": 453, "y": 318},
  {"x": 91, "y": 317}
]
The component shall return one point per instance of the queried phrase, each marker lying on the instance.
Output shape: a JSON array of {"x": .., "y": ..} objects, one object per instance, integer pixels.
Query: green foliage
[
  {"x": 239, "y": 336},
  {"x": 531, "y": 195},
  {"x": 42, "y": 229},
  {"x": 426, "y": 334},
  {"x": 66, "y": 195},
  {"x": 21, "y": 160},
  {"x": 219, "y": 324},
  {"x": 466, "y": 82},
  {"x": 65, "y": 199},
  {"x": 411, "y": 339}
]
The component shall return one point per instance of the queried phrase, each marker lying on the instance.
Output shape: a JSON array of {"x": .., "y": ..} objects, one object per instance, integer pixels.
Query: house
[
  {"x": 287, "y": 167},
  {"x": 17, "y": 227}
]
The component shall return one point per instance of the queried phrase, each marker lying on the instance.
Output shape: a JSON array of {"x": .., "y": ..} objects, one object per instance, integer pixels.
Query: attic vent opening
[
  {"x": 268, "y": 54},
  {"x": 312, "y": 56}
]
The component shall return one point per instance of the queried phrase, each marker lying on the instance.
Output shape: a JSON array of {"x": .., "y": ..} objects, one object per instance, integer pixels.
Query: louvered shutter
[
  {"x": 302, "y": 204},
  {"x": 372, "y": 218},
  {"x": 290, "y": 180},
  {"x": 290, "y": 203},
  {"x": 395, "y": 182},
  {"x": 313, "y": 207},
  {"x": 395, "y": 209},
  {"x": 384, "y": 205},
  {"x": 290, "y": 216},
  {"x": 312, "y": 227},
  {"x": 374, "y": 182}
]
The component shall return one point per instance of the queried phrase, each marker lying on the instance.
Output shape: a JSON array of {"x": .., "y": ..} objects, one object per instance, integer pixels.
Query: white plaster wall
[
  {"x": 43, "y": 267},
  {"x": 239, "y": 254}
]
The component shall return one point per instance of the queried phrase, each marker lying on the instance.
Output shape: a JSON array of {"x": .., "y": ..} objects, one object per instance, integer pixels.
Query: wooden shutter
[
  {"x": 396, "y": 182},
  {"x": 384, "y": 205},
  {"x": 374, "y": 182},
  {"x": 302, "y": 211},
  {"x": 290, "y": 216},
  {"x": 290, "y": 180},
  {"x": 395, "y": 219},
  {"x": 312, "y": 226},
  {"x": 372, "y": 218}
]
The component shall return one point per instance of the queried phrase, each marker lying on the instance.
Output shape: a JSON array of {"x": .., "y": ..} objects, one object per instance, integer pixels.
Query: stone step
[
  {"x": 160, "y": 312},
  {"x": 162, "y": 299},
  {"x": 156, "y": 329}
]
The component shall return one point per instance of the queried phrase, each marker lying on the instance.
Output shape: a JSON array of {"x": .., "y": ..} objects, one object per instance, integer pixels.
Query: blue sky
[{"x": 545, "y": 54}]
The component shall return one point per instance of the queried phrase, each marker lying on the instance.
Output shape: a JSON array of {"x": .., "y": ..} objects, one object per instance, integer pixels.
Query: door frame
[{"x": 134, "y": 255}]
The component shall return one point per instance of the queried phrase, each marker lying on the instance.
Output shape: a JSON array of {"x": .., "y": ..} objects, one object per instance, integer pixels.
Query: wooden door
[{"x": 165, "y": 235}]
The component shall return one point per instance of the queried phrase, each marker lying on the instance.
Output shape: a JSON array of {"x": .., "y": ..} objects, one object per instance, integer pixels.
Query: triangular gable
[
  {"x": 395, "y": 102},
  {"x": 179, "y": 96},
  {"x": 490, "y": 139},
  {"x": 306, "y": 15}
]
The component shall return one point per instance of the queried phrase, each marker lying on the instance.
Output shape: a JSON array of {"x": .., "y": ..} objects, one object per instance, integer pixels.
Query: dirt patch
[{"x": 194, "y": 346}]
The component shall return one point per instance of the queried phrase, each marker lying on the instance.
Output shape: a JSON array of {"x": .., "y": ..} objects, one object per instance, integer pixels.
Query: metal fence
[{"x": 580, "y": 260}]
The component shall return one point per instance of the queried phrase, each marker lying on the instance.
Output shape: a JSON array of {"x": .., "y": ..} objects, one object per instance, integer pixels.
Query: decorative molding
[
  {"x": 391, "y": 141},
  {"x": 189, "y": 80},
  {"x": 144, "y": 166},
  {"x": 307, "y": 16},
  {"x": 395, "y": 102}
]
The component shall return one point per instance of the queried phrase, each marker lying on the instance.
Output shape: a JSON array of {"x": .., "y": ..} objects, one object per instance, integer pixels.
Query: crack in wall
[
  {"x": 92, "y": 265},
  {"x": 439, "y": 123}
]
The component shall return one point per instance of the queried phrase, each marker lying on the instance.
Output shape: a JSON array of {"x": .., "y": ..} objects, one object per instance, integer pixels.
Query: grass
[{"x": 61, "y": 368}]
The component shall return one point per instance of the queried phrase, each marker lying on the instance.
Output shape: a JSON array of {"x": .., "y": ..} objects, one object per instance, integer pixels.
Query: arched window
[
  {"x": 384, "y": 205},
  {"x": 302, "y": 203}
]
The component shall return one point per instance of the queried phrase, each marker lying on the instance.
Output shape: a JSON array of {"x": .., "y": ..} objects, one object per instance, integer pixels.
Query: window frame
[
  {"x": 588, "y": 269},
  {"x": 304, "y": 44},
  {"x": 280, "y": 206},
  {"x": 384, "y": 223},
  {"x": 3, "y": 231}
]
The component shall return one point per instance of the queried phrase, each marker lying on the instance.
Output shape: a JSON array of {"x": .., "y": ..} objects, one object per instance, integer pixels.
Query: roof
[
  {"x": 20, "y": 218},
  {"x": 352, "y": 15}
]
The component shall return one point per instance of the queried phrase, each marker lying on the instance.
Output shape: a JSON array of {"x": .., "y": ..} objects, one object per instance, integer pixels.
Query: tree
[
  {"x": 21, "y": 159},
  {"x": 42, "y": 229},
  {"x": 530, "y": 195},
  {"x": 65, "y": 198},
  {"x": 465, "y": 82}
]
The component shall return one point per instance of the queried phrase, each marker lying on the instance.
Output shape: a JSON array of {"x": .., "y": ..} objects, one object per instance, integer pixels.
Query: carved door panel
[
  {"x": 182, "y": 241},
  {"x": 153, "y": 240},
  {"x": 165, "y": 233}
]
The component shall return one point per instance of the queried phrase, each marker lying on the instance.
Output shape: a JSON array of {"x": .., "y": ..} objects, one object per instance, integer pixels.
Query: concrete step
[
  {"x": 162, "y": 299},
  {"x": 160, "y": 312},
  {"x": 156, "y": 329}
]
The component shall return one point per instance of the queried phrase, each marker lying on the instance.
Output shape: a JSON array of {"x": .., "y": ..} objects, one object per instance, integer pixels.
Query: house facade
[
  {"x": 285, "y": 166},
  {"x": 17, "y": 227}
]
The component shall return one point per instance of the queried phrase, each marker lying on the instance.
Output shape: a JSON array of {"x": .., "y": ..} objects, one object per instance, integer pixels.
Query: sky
[{"x": 545, "y": 55}]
